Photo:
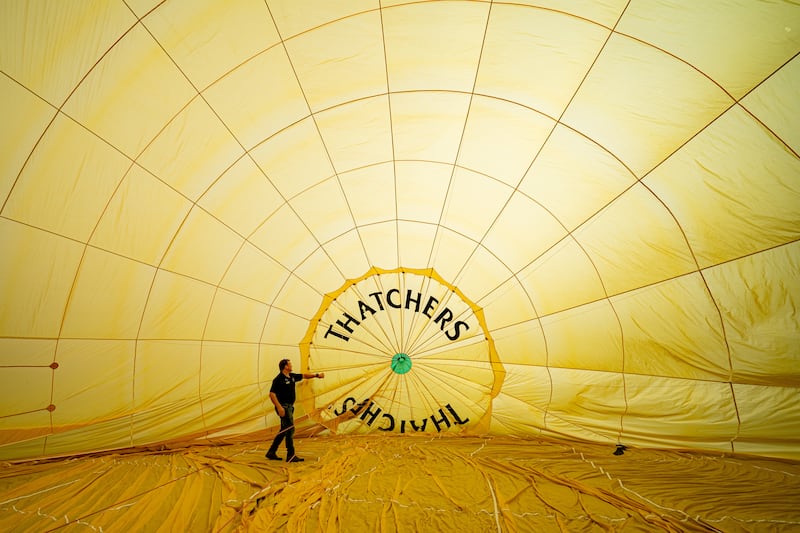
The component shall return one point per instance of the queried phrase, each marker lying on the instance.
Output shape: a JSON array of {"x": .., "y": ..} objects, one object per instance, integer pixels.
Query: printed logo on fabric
[{"x": 403, "y": 351}]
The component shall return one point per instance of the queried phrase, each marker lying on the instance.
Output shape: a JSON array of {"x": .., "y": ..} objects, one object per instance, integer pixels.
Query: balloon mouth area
[{"x": 401, "y": 363}]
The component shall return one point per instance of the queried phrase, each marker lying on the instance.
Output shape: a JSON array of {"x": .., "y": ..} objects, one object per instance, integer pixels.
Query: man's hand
[
  {"x": 281, "y": 411},
  {"x": 320, "y": 374}
]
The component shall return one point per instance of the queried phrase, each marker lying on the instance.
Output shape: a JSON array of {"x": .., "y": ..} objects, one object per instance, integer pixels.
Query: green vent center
[{"x": 401, "y": 363}]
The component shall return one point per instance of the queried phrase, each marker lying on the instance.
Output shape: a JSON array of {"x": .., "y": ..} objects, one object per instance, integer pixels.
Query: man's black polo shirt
[{"x": 283, "y": 386}]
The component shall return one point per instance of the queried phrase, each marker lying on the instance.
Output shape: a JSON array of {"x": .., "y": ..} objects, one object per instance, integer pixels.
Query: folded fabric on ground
[{"x": 372, "y": 483}]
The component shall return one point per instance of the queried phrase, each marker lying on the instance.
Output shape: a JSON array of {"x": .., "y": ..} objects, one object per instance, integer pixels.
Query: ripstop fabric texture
[{"x": 575, "y": 219}]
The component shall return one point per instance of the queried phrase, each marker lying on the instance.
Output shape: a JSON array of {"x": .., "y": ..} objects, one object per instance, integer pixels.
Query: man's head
[{"x": 285, "y": 364}]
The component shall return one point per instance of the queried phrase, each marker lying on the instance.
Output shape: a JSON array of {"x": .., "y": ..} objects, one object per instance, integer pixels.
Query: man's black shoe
[
  {"x": 294, "y": 459},
  {"x": 272, "y": 456}
]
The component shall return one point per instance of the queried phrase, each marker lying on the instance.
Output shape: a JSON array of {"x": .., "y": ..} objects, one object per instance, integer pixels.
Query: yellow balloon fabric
[{"x": 566, "y": 219}]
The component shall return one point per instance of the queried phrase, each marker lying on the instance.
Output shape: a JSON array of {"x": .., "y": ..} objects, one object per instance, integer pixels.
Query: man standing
[{"x": 283, "y": 396}]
